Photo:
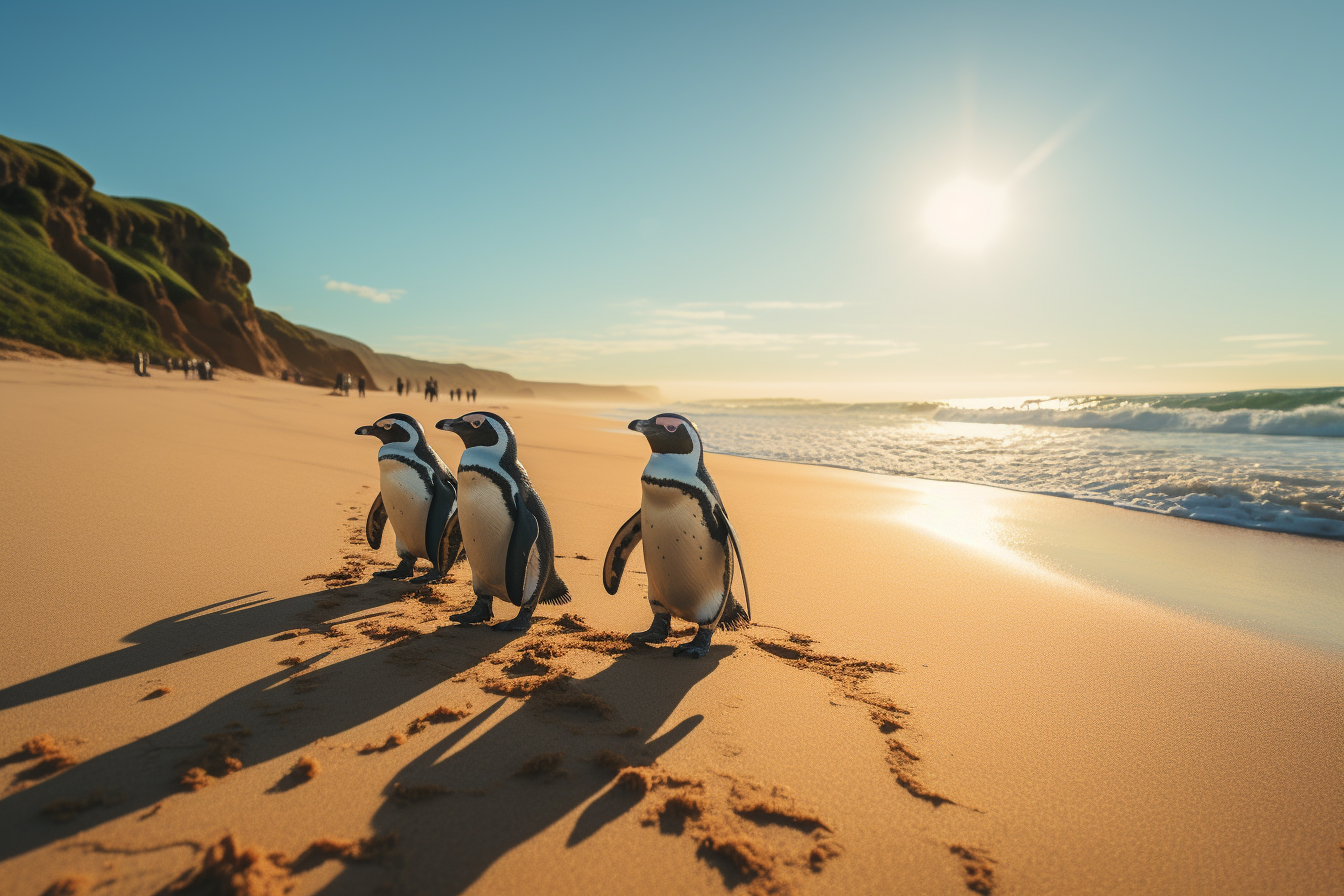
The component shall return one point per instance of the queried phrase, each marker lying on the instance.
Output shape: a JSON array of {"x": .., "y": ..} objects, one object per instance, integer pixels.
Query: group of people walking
[
  {"x": 406, "y": 387},
  {"x": 189, "y": 366},
  {"x": 342, "y": 385}
]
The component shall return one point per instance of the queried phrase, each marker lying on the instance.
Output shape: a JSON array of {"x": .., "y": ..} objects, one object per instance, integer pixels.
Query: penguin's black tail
[
  {"x": 556, "y": 593},
  {"x": 734, "y": 615}
]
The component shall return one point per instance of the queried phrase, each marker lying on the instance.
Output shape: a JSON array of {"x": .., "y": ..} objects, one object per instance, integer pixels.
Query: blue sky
[{"x": 727, "y": 198}]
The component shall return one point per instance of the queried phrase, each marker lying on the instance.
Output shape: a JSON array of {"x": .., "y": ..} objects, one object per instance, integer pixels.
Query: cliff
[{"x": 89, "y": 275}]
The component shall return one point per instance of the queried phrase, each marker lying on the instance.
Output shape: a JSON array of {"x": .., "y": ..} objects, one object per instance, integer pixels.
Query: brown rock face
[{"x": 161, "y": 257}]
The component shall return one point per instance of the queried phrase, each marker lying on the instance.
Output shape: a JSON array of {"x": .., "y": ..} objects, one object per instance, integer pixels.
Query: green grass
[{"x": 45, "y": 301}]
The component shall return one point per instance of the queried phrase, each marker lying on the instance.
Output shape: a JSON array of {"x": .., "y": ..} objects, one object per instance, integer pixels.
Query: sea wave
[
  {"x": 1239, "y": 467},
  {"x": 1322, "y": 421}
]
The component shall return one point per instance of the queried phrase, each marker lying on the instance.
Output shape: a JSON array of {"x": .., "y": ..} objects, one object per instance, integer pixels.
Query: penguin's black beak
[
  {"x": 640, "y": 426},
  {"x": 366, "y": 431},
  {"x": 452, "y": 425}
]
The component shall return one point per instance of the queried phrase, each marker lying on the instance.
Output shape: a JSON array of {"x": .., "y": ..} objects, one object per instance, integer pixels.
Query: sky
[{"x": 734, "y": 198}]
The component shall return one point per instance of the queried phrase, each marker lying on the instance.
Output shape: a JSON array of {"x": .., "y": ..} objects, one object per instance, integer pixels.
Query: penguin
[
  {"x": 689, "y": 544},
  {"x": 419, "y": 496},
  {"x": 506, "y": 533}
]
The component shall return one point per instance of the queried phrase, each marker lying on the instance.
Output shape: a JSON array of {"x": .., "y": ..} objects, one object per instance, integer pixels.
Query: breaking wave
[
  {"x": 1322, "y": 421},
  {"x": 1278, "y": 465}
]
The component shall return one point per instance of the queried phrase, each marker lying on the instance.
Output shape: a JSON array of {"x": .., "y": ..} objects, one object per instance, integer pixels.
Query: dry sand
[{"x": 925, "y": 705}]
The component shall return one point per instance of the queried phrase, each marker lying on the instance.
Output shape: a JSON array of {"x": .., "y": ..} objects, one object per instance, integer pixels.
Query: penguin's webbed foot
[
  {"x": 520, "y": 623},
  {"x": 404, "y": 570},
  {"x": 432, "y": 576},
  {"x": 697, "y": 646},
  {"x": 656, "y": 633},
  {"x": 481, "y": 612}
]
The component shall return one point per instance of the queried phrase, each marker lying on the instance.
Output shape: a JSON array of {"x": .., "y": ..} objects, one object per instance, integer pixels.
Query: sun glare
[{"x": 966, "y": 215}]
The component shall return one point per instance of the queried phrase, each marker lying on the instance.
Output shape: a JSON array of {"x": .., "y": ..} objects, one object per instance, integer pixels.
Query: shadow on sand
[
  {"x": 207, "y": 629},
  {"x": 486, "y": 807}
]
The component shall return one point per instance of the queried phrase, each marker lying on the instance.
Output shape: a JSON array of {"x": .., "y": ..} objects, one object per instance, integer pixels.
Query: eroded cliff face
[{"x": 163, "y": 258}]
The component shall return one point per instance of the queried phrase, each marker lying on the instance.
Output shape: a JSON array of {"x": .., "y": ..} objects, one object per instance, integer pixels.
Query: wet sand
[{"x": 948, "y": 688}]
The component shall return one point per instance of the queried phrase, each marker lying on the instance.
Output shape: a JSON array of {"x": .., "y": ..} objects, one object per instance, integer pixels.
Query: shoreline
[{"x": 925, "y": 680}]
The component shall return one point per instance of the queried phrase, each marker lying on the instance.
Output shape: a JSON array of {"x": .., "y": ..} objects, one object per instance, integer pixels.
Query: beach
[{"x": 946, "y": 687}]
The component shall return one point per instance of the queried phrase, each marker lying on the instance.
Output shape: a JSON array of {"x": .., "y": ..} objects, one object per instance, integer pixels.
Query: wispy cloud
[
  {"x": 693, "y": 313},
  {"x": 1293, "y": 343},
  {"x": 1034, "y": 363},
  {"x": 1111, "y": 359},
  {"x": 1266, "y": 337},
  {"x": 372, "y": 293},
  {"x": 990, "y": 342},
  {"x": 1021, "y": 345},
  {"x": 1252, "y": 360},
  {"x": 660, "y": 330},
  {"x": 794, "y": 306}
]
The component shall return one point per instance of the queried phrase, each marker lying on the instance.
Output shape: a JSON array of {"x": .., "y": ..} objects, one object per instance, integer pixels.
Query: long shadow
[
  {"x": 280, "y": 713},
  {"x": 204, "y": 630},
  {"x": 487, "y": 807}
]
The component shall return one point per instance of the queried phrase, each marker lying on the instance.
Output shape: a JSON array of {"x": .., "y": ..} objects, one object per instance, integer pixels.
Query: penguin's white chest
[
  {"x": 486, "y": 529},
  {"x": 685, "y": 566},
  {"x": 406, "y": 500}
]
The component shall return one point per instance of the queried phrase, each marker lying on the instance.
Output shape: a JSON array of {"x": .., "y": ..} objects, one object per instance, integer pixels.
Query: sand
[{"x": 948, "y": 688}]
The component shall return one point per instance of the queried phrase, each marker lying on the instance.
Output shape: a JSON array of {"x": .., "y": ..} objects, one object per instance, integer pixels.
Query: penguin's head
[
  {"x": 669, "y": 434},
  {"x": 480, "y": 429},
  {"x": 395, "y": 428}
]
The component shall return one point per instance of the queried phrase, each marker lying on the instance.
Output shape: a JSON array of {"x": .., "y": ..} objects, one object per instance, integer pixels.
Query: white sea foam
[
  {"x": 1314, "y": 420},
  {"x": 1265, "y": 469}
]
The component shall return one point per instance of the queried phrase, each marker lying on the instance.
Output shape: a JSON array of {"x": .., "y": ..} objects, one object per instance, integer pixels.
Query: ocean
[{"x": 1267, "y": 459}]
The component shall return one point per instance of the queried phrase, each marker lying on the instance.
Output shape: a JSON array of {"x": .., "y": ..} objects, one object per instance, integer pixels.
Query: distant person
[
  {"x": 473, "y": 396},
  {"x": 168, "y": 365},
  {"x": 336, "y": 386},
  {"x": 361, "y": 387},
  {"x": 284, "y": 376},
  {"x": 298, "y": 377},
  {"x": 398, "y": 387},
  {"x": 429, "y": 384},
  {"x": 207, "y": 371},
  {"x": 186, "y": 369}
]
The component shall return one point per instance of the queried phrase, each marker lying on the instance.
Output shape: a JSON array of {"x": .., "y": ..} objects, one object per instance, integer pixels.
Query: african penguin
[
  {"x": 687, "y": 539},
  {"x": 505, "y": 530},
  {"x": 418, "y": 494}
]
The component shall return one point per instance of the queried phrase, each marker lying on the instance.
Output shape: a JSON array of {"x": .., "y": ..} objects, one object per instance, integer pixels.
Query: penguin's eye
[
  {"x": 385, "y": 425},
  {"x": 670, "y": 427},
  {"x": 671, "y": 424},
  {"x": 476, "y": 424}
]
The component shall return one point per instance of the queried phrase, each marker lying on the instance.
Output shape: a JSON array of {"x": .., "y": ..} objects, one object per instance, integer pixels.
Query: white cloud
[
  {"x": 1034, "y": 363},
  {"x": 1266, "y": 337},
  {"x": 990, "y": 342},
  {"x": 1292, "y": 343},
  {"x": 1258, "y": 360},
  {"x": 372, "y": 293},
  {"x": 696, "y": 314},
  {"x": 792, "y": 306},
  {"x": 1022, "y": 345},
  {"x": 1111, "y": 359}
]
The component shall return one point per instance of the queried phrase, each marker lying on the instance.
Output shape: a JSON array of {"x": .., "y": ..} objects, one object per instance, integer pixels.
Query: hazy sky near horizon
[{"x": 730, "y": 198}]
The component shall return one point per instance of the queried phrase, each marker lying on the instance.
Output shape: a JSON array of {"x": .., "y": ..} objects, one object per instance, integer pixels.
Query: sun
[{"x": 966, "y": 215}]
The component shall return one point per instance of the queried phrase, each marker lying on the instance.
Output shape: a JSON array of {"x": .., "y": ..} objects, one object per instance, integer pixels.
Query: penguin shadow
[
  {"x": 496, "y": 783},
  {"x": 277, "y": 714},
  {"x": 207, "y": 629}
]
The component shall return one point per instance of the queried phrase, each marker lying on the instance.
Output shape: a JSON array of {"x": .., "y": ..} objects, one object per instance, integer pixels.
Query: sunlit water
[{"x": 1273, "y": 469}]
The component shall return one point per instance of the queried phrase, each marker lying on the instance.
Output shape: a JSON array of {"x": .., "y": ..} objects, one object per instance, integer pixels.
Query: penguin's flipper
[
  {"x": 522, "y": 567},
  {"x": 618, "y": 554},
  {"x": 450, "y": 545},
  {"x": 377, "y": 519},
  {"x": 438, "y": 522},
  {"x": 737, "y": 552}
]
